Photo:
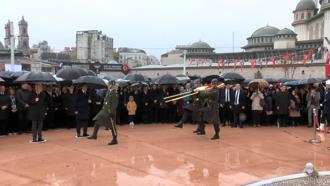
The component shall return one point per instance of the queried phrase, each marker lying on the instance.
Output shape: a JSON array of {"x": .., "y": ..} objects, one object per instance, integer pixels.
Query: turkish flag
[
  {"x": 306, "y": 58},
  {"x": 192, "y": 61},
  {"x": 287, "y": 56},
  {"x": 274, "y": 61}
]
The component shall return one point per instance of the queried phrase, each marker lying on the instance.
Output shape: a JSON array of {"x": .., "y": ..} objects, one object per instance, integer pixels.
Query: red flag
[
  {"x": 223, "y": 64},
  {"x": 235, "y": 63},
  {"x": 253, "y": 63},
  {"x": 203, "y": 61},
  {"x": 241, "y": 64},
  {"x": 306, "y": 58},
  {"x": 274, "y": 61},
  {"x": 192, "y": 61},
  {"x": 287, "y": 56},
  {"x": 326, "y": 56}
]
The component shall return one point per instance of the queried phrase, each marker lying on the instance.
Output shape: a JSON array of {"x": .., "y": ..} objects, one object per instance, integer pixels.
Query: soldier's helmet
[{"x": 214, "y": 81}]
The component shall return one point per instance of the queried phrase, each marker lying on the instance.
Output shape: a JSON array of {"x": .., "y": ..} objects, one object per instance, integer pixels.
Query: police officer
[{"x": 107, "y": 115}]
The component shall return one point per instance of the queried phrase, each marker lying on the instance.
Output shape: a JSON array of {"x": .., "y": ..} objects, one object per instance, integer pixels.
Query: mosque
[{"x": 309, "y": 37}]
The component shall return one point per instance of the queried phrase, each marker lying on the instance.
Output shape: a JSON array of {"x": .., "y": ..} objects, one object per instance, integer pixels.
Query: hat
[{"x": 214, "y": 81}]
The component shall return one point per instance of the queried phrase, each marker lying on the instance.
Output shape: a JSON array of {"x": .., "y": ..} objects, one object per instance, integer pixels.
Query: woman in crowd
[
  {"x": 294, "y": 109},
  {"x": 257, "y": 107}
]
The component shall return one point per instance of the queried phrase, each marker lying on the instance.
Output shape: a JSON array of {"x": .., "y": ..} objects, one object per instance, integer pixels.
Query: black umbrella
[
  {"x": 271, "y": 80},
  {"x": 91, "y": 73},
  {"x": 232, "y": 77},
  {"x": 182, "y": 78},
  {"x": 122, "y": 82},
  {"x": 10, "y": 76},
  {"x": 310, "y": 81},
  {"x": 168, "y": 79},
  {"x": 139, "y": 84},
  {"x": 208, "y": 79},
  {"x": 284, "y": 80},
  {"x": 1, "y": 80},
  {"x": 133, "y": 78},
  {"x": 91, "y": 81},
  {"x": 71, "y": 73},
  {"x": 193, "y": 78},
  {"x": 292, "y": 83},
  {"x": 36, "y": 77},
  {"x": 109, "y": 78}
]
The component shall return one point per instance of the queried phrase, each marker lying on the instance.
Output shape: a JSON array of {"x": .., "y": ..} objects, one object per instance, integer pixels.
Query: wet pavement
[{"x": 160, "y": 155}]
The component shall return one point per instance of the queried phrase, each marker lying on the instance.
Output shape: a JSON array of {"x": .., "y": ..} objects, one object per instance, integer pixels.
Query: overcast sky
[{"x": 154, "y": 25}]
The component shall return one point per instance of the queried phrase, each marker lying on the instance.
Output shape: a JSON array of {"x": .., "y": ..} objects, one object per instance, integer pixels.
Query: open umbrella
[
  {"x": 36, "y": 78},
  {"x": 258, "y": 83},
  {"x": 284, "y": 80},
  {"x": 168, "y": 79},
  {"x": 133, "y": 78},
  {"x": 271, "y": 80},
  {"x": 208, "y": 79},
  {"x": 1, "y": 80},
  {"x": 11, "y": 76},
  {"x": 71, "y": 73},
  {"x": 182, "y": 78},
  {"x": 122, "y": 82},
  {"x": 91, "y": 73},
  {"x": 139, "y": 84},
  {"x": 109, "y": 78},
  {"x": 232, "y": 77},
  {"x": 91, "y": 81},
  {"x": 310, "y": 81},
  {"x": 292, "y": 83}
]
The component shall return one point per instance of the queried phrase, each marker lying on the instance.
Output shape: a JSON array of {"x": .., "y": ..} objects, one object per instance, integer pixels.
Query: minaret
[
  {"x": 7, "y": 37},
  {"x": 326, "y": 9},
  {"x": 23, "y": 37}
]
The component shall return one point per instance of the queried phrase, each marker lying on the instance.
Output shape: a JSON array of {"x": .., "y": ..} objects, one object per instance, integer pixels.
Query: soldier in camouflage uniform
[{"x": 107, "y": 115}]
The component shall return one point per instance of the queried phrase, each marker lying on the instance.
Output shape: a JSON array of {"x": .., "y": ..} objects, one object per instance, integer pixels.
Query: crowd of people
[{"x": 23, "y": 108}]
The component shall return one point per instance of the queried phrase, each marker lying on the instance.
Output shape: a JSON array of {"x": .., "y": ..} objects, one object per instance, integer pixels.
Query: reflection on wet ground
[{"x": 160, "y": 155}]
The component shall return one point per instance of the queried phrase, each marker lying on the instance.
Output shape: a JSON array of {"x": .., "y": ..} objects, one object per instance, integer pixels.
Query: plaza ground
[{"x": 160, "y": 155}]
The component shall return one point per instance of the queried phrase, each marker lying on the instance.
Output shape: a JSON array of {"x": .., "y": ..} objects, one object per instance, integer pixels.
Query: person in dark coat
[
  {"x": 58, "y": 112},
  {"x": 224, "y": 101},
  {"x": 69, "y": 102},
  {"x": 13, "y": 115},
  {"x": 282, "y": 103},
  {"x": 4, "y": 107},
  {"x": 107, "y": 115},
  {"x": 37, "y": 112},
  {"x": 146, "y": 103},
  {"x": 164, "y": 108},
  {"x": 49, "y": 118},
  {"x": 95, "y": 106},
  {"x": 238, "y": 104},
  {"x": 23, "y": 96},
  {"x": 82, "y": 111},
  {"x": 154, "y": 96}
]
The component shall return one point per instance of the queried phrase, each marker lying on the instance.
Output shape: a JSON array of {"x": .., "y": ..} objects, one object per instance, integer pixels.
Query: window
[
  {"x": 309, "y": 15},
  {"x": 24, "y": 30},
  {"x": 296, "y": 16},
  {"x": 302, "y": 16}
]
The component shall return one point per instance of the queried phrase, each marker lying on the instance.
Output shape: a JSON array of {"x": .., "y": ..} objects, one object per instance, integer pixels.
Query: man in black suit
[
  {"x": 82, "y": 112},
  {"x": 23, "y": 96},
  {"x": 4, "y": 105},
  {"x": 238, "y": 101},
  {"x": 37, "y": 112},
  {"x": 225, "y": 102}
]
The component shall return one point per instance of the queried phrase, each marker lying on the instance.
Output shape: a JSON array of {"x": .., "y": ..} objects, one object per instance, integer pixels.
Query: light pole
[
  {"x": 184, "y": 61},
  {"x": 12, "y": 46}
]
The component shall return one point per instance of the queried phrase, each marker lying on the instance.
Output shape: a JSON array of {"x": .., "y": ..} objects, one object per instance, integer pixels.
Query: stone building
[
  {"x": 93, "y": 46},
  {"x": 135, "y": 57}
]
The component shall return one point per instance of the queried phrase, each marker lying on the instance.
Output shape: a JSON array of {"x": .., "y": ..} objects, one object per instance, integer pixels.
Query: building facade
[
  {"x": 93, "y": 46},
  {"x": 135, "y": 57}
]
